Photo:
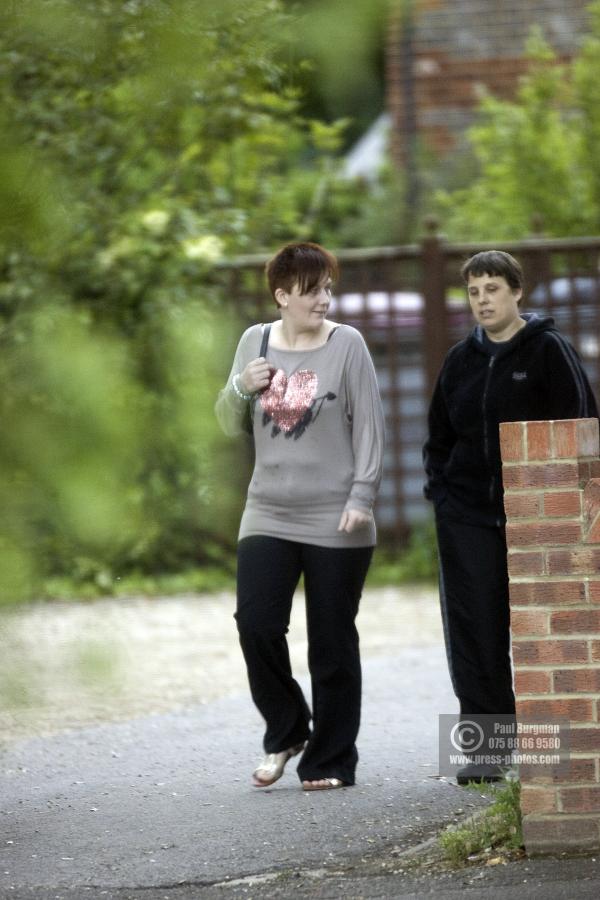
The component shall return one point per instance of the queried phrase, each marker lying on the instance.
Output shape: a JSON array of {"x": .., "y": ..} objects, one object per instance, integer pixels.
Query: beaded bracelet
[{"x": 238, "y": 390}]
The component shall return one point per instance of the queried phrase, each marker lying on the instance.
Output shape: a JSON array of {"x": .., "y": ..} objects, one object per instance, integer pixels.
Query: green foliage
[
  {"x": 140, "y": 143},
  {"x": 537, "y": 155},
  {"x": 206, "y": 579},
  {"x": 345, "y": 42},
  {"x": 371, "y": 214},
  {"x": 587, "y": 89},
  {"x": 416, "y": 563},
  {"x": 498, "y": 828}
]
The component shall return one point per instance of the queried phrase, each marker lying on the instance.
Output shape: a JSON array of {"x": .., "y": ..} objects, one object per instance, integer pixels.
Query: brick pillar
[{"x": 552, "y": 502}]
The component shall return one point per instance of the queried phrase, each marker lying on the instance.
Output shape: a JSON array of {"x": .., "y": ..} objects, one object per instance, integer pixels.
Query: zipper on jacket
[{"x": 486, "y": 438}]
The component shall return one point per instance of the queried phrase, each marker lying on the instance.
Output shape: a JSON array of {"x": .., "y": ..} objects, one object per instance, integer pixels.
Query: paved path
[
  {"x": 78, "y": 664},
  {"x": 165, "y": 799},
  {"x": 160, "y": 807}
]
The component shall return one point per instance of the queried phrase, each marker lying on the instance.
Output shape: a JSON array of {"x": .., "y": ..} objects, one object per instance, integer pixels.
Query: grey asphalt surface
[{"x": 161, "y": 808}]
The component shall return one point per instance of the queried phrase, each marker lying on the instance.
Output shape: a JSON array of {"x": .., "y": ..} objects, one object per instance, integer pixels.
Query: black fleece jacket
[{"x": 536, "y": 375}]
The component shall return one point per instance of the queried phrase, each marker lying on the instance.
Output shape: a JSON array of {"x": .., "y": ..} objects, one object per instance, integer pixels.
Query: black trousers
[
  {"x": 476, "y": 615},
  {"x": 268, "y": 573}
]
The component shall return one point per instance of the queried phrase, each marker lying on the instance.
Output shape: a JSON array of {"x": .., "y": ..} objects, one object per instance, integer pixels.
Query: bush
[
  {"x": 417, "y": 562},
  {"x": 140, "y": 143}
]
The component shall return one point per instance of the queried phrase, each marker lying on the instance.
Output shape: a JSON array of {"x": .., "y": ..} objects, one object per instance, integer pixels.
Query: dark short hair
[
  {"x": 302, "y": 263},
  {"x": 494, "y": 262}
]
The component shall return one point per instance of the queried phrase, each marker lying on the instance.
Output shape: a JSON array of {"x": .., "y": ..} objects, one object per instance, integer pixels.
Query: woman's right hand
[{"x": 256, "y": 376}]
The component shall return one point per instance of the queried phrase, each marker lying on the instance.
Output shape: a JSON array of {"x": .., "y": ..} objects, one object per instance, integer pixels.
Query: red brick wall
[
  {"x": 461, "y": 49},
  {"x": 551, "y": 474}
]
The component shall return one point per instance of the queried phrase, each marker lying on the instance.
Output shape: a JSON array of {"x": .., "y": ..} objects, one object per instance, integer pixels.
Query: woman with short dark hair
[
  {"x": 317, "y": 421},
  {"x": 512, "y": 367}
]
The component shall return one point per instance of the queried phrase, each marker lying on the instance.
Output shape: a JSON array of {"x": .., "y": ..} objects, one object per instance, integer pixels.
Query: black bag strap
[
  {"x": 265, "y": 339},
  {"x": 249, "y": 419}
]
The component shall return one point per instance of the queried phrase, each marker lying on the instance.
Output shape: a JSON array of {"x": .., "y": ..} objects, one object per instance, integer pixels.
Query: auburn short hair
[{"x": 303, "y": 263}]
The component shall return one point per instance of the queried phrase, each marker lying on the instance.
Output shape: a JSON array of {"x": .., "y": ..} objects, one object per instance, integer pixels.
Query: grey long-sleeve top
[{"x": 318, "y": 434}]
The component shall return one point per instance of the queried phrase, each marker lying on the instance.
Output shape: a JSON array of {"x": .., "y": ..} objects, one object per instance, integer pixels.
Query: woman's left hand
[{"x": 353, "y": 519}]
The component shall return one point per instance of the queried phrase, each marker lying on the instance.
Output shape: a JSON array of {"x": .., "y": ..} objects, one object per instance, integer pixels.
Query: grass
[
  {"x": 205, "y": 580},
  {"x": 414, "y": 564},
  {"x": 496, "y": 831}
]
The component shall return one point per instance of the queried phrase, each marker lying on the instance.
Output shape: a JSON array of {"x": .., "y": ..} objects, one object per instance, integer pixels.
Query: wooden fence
[{"x": 410, "y": 304}]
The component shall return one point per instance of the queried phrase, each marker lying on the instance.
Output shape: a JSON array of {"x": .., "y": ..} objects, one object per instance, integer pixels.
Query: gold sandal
[{"x": 323, "y": 784}]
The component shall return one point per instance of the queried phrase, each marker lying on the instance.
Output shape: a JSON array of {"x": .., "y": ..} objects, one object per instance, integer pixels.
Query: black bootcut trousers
[
  {"x": 476, "y": 615},
  {"x": 269, "y": 570}
]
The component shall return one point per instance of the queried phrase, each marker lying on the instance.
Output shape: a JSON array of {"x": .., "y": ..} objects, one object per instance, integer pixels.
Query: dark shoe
[{"x": 480, "y": 774}]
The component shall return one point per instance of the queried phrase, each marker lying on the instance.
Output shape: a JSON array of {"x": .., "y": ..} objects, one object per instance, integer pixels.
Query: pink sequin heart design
[{"x": 286, "y": 400}]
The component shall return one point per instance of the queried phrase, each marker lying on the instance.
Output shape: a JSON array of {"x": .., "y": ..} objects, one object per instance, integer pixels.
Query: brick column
[{"x": 552, "y": 502}]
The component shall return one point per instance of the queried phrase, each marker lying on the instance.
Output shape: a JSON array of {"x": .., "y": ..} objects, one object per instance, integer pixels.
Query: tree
[
  {"x": 340, "y": 48},
  {"x": 142, "y": 141},
  {"x": 536, "y": 155}
]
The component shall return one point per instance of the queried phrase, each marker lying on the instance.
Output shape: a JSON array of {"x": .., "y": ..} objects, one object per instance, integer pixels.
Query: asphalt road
[
  {"x": 167, "y": 799},
  {"x": 161, "y": 808}
]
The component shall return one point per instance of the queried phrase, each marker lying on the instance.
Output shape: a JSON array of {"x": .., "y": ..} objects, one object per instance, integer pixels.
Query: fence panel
[{"x": 410, "y": 305}]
